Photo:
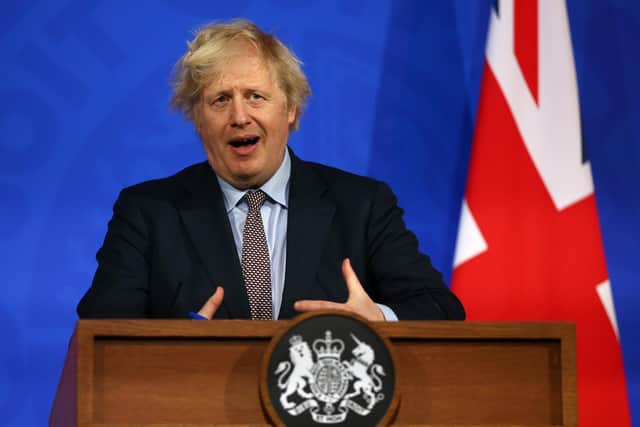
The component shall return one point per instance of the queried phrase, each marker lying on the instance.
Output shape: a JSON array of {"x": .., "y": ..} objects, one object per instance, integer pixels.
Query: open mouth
[{"x": 244, "y": 142}]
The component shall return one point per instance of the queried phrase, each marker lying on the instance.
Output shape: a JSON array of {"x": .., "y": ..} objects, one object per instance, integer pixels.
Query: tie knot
[{"x": 255, "y": 200}]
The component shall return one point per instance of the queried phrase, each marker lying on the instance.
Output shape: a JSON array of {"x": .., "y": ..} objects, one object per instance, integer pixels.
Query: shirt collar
[{"x": 276, "y": 188}]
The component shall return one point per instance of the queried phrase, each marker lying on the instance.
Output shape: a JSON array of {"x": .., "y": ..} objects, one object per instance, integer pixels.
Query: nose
[{"x": 239, "y": 114}]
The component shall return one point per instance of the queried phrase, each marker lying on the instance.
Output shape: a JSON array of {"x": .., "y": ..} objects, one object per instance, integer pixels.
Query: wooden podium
[{"x": 196, "y": 373}]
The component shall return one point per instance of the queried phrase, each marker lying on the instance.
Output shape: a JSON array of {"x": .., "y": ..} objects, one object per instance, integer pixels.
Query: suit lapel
[
  {"x": 204, "y": 216},
  {"x": 308, "y": 222}
]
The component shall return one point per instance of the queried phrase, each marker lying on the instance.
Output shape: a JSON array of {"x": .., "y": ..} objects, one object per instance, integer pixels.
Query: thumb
[
  {"x": 211, "y": 306},
  {"x": 353, "y": 283}
]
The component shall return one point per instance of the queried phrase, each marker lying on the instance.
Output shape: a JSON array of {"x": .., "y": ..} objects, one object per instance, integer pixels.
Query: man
[{"x": 256, "y": 232}]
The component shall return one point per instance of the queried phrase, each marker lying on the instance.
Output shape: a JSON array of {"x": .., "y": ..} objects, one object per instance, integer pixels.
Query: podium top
[{"x": 267, "y": 328}]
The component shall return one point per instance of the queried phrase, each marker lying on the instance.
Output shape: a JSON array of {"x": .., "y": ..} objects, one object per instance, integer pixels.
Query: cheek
[{"x": 210, "y": 130}]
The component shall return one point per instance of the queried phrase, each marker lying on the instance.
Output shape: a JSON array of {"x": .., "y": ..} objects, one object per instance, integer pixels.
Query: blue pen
[{"x": 197, "y": 316}]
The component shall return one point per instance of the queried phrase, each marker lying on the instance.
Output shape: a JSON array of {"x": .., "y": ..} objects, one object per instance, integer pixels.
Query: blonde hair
[{"x": 211, "y": 46}]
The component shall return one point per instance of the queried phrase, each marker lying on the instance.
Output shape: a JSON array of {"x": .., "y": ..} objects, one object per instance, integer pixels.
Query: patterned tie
[{"x": 256, "y": 268}]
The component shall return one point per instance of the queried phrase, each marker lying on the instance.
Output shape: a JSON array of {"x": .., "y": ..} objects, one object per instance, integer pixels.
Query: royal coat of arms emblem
[{"x": 319, "y": 379}]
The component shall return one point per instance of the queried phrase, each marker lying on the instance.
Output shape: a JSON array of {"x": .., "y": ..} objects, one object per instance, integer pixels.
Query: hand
[
  {"x": 358, "y": 301},
  {"x": 211, "y": 306}
]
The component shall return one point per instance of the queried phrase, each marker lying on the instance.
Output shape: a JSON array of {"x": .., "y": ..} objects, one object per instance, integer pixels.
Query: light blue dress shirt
[
  {"x": 274, "y": 218},
  {"x": 274, "y": 213}
]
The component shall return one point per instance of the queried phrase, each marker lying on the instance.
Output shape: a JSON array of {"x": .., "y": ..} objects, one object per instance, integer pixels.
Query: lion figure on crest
[{"x": 302, "y": 359}]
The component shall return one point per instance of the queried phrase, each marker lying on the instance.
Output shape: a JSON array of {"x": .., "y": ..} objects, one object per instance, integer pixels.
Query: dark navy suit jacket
[{"x": 169, "y": 244}]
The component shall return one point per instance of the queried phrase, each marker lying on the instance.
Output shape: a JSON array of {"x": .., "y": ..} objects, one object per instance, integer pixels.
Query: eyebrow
[{"x": 227, "y": 91}]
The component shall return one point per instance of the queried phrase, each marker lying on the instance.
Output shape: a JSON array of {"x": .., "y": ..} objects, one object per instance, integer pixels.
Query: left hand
[{"x": 358, "y": 301}]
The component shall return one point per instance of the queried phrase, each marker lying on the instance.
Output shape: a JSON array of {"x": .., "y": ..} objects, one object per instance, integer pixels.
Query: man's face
[{"x": 243, "y": 120}]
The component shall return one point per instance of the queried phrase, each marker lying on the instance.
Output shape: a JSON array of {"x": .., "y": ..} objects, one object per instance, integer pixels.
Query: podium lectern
[{"x": 197, "y": 373}]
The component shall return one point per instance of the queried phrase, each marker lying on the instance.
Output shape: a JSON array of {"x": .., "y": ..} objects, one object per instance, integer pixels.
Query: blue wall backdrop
[{"x": 83, "y": 112}]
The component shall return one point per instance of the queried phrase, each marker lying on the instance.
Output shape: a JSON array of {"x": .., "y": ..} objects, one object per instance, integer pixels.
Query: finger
[
  {"x": 314, "y": 305},
  {"x": 351, "y": 279},
  {"x": 359, "y": 301},
  {"x": 211, "y": 306}
]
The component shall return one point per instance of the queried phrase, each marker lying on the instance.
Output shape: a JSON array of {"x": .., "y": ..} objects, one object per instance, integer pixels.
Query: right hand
[{"x": 211, "y": 306}]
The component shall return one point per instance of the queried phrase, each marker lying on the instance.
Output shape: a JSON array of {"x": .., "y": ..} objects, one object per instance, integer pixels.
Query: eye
[
  {"x": 219, "y": 101},
  {"x": 256, "y": 97}
]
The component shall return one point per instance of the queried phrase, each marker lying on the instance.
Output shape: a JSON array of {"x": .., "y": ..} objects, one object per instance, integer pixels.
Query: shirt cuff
[{"x": 388, "y": 314}]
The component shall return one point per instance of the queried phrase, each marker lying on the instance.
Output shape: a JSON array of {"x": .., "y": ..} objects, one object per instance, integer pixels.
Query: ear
[
  {"x": 197, "y": 124},
  {"x": 291, "y": 115}
]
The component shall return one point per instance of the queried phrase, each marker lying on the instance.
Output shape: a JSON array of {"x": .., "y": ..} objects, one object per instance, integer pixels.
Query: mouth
[{"x": 244, "y": 141}]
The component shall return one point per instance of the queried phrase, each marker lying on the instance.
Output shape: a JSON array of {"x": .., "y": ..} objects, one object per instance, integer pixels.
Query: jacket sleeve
[
  {"x": 120, "y": 285},
  {"x": 404, "y": 278}
]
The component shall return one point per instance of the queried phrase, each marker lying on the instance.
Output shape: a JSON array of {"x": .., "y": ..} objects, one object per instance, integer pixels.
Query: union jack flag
[{"x": 529, "y": 245}]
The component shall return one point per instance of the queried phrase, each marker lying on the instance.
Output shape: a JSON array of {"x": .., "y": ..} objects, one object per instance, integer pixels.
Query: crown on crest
[{"x": 328, "y": 347}]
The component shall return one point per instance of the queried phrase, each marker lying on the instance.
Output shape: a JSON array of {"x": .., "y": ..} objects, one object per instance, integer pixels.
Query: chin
[{"x": 245, "y": 180}]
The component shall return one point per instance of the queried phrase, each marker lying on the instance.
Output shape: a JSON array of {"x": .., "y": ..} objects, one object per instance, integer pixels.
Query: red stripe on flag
[
  {"x": 526, "y": 42},
  {"x": 541, "y": 263}
]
